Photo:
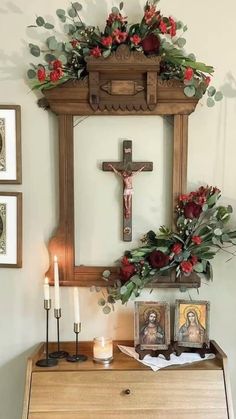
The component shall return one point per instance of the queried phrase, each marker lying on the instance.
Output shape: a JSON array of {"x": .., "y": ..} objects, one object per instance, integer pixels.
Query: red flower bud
[
  {"x": 55, "y": 75},
  {"x": 163, "y": 27},
  {"x": 135, "y": 39},
  {"x": 41, "y": 74},
  {"x": 74, "y": 43},
  {"x": 197, "y": 240},
  {"x": 194, "y": 260},
  {"x": 126, "y": 271},
  {"x": 186, "y": 267},
  {"x": 96, "y": 52},
  {"x": 107, "y": 41},
  {"x": 176, "y": 248},
  {"x": 188, "y": 74},
  {"x": 56, "y": 64}
]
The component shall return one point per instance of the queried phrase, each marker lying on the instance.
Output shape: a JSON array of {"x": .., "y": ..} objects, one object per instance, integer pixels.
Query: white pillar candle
[
  {"x": 46, "y": 289},
  {"x": 56, "y": 285},
  {"x": 76, "y": 305},
  {"x": 102, "y": 348}
]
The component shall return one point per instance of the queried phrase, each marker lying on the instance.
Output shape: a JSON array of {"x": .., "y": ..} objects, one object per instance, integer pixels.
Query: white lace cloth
[{"x": 156, "y": 363}]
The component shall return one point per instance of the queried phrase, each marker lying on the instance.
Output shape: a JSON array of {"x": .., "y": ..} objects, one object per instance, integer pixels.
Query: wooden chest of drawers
[{"x": 127, "y": 389}]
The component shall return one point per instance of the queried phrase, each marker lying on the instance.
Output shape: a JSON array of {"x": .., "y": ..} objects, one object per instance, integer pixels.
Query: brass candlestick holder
[
  {"x": 58, "y": 354},
  {"x": 77, "y": 357},
  {"x": 47, "y": 362}
]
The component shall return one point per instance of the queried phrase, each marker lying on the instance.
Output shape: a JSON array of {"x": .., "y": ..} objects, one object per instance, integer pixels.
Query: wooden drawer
[{"x": 98, "y": 394}]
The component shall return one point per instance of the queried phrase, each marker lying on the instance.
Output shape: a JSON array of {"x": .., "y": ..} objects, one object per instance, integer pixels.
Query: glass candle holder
[{"x": 102, "y": 350}]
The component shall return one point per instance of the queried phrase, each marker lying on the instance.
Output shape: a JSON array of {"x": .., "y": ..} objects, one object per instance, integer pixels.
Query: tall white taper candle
[
  {"x": 76, "y": 305},
  {"x": 56, "y": 285},
  {"x": 46, "y": 289}
]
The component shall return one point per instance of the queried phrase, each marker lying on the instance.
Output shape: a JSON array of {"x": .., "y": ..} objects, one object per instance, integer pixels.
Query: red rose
[
  {"x": 186, "y": 267},
  {"x": 55, "y": 76},
  {"x": 74, "y": 43},
  {"x": 56, "y": 64},
  {"x": 120, "y": 36},
  {"x": 126, "y": 272},
  {"x": 194, "y": 260},
  {"x": 151, "y": 44},
  {"x": 163, "y": 27},
  {"x": 158, "y": 259},
  {"x": 192, "y": 210},
  {"x": 107, "y": 41},
  {"x": 196, "y": 239},
  {"x": 96, "y": 52},
  {"x": 183, "y": 197},
  {"x": 188, "y": 74},
  {"x": 135, "y": 39},
  {"x": 149, "y": 14},
  {"x": 172, "y": 30},
  {"x": 176, "y": 248},
  {"x": 41, "y": 74}
]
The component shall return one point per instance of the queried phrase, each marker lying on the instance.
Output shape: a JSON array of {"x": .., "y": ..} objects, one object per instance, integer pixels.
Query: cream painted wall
[{"x": 211, "y": 160}]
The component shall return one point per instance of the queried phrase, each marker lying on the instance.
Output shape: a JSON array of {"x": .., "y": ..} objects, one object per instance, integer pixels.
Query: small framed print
[
  {"x": 10, "y": 229},
  {"x": 10, "y": 144},
  {"x": 152, "y": 325},
  {"x": 192, "y": 323}
]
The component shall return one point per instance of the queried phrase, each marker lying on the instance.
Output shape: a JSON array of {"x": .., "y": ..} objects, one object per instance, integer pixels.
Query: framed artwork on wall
[
  {"x": 152, "y": 325},
  {"x": 10, "y": 144},
  {"x": 11, "y": 229},
  {"x": 192, "y": 323}
]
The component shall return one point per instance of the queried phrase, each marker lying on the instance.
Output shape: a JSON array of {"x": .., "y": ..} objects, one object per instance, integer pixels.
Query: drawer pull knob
[{"x": 127, "y": 391}]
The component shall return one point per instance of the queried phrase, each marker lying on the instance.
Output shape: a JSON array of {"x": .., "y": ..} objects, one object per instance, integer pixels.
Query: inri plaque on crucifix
[{"x": 126, "y": 170}]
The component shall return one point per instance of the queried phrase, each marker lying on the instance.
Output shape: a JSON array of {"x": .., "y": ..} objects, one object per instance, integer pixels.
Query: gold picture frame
[
  {"x": 192, "y": 323},
  {"x": 10, "y": 144},
  {"x": 152, "y": 325}
]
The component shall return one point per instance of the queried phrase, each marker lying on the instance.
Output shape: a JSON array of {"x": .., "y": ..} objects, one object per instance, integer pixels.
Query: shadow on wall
[
  {"x": 12, "y": 385},
  {"x": 229, "y": 87}
]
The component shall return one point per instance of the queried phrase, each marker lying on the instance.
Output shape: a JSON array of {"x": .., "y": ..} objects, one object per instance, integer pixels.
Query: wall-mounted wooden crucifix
[{"x": 127, "y": 169}]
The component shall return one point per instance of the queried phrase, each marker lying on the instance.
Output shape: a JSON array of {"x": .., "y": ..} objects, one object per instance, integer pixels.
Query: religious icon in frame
[
  {"x": 10, "y": 144},
  {"x": 10, "y": 229},
  {"x": 192, "y": 323},
  {"x": 152, "y": 325}
]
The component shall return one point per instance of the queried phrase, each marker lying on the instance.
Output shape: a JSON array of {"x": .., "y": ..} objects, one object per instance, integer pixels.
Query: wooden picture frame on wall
[
  {"x": 10, "y": 144},
  {"x": 87, "y": 97},
  {"x": 10, "y": 229}
]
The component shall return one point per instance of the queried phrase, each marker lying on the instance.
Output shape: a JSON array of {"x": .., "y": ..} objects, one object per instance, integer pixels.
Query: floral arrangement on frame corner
[
  {"x": 201, "y": 232},
  {"x": 64, "y": 57}
]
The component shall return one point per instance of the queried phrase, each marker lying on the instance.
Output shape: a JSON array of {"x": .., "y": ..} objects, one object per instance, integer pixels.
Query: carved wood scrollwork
[{"x": 122, "y": 75}]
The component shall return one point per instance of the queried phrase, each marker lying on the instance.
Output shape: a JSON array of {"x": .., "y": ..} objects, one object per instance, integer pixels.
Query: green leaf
[
  {"x": 48, "y": 25},
  {"x": 40, "y": 21},
  {"x": 31, "y": 74},
  {"x": 60, "y": 13},
  {"x": 115, "y": 10},
  {"x": 51, "y": 42},
  {"x": 218, "y": 232},
  {"x": 35, "y": 51},
  {"x": 77, "y": 6},
  {"x": 72, "y": 12},
  {"x": 218, "y": 96},
  {"x": 211, "y": 91},
  {"x": 189, "y": 91},
  {"x": 63, "y": 59},
  {"x": 106, "y": 273},
  {"x": 210, "y": 102},
  {"x": 181, "y": 42},
  {"x": 101, "y": 302},
  {"x": 123, "y": 290},
  {"x": 185, "y": 28},
  {"x": 106, "y": 310},
  {"x": 121, "y": 5},
  {"x": 198, "y": 267},
  {"x": 209, "y": 271},
  {"x": 106, "y": 53},
  {"x": 69, "y": 28},
  {"x": 192, "y": 57},
  {"x": 49, "y": 58},
  {"x": 68, "y": 47}
]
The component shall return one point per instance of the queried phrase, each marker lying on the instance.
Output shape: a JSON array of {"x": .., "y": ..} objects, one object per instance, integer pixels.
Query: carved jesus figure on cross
[
  {"x": 126, "y": 170},
  {"x": 127, "y": 177}
]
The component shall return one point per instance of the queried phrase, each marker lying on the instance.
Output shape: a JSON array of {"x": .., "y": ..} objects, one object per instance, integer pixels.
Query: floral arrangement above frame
[
  {"x": 65, "y": 58},
  {"x": 10, "y": 144},
  {"x": 201, "y": 232}
]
